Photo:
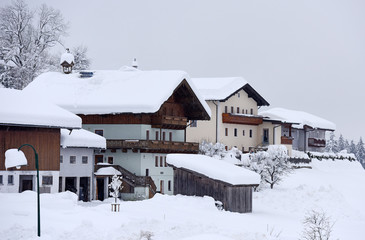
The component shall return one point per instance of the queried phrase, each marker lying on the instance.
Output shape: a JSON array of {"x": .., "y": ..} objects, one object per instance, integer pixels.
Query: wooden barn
[{"x": 198, "y": 175}]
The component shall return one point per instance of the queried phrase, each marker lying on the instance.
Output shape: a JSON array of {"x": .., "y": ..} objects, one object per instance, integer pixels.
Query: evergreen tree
[
  {"x": 341, "y": 143},
  {"x": 352, "y": 147},
  {"x": 331, "y": 144},
  {"x": 360, "y": 151}
]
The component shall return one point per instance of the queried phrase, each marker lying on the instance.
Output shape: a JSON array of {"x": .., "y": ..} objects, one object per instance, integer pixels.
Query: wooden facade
[
  {"x": 235, "y": 198},
  {"x": 46, "y": 141},
  {"x": 286, "y": 140},
  {"x": 241, "y": 119},
  {"x": 314, "y": 142},
  {"x": 153, "y": 146}
]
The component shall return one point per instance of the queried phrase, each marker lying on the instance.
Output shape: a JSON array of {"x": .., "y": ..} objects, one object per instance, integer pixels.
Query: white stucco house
[
  {"x": 77, "y": 162},
  {"x": 235, "y": 121},
  {"x": 307, "y": 131}
]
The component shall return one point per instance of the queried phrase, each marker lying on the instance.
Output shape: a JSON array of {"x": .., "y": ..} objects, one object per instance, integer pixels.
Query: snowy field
[{"x": 334, "y": 187}]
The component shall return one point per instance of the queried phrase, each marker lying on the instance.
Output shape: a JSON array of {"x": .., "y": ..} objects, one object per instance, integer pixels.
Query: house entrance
[
  {"x": 70, "y": 184},
  {"x": 100, "y": 188},
  {"x": 265, "y": 139},
  {"x": 25, "y": 183},
  {"x": 84, "y": 192}
]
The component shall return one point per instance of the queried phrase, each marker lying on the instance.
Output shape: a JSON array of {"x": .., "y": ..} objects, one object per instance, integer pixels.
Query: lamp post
[{"x": 16, "y": 159}]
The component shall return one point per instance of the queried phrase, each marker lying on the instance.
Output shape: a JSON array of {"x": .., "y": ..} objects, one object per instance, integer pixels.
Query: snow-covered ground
[{"x": 334, "y": 187}]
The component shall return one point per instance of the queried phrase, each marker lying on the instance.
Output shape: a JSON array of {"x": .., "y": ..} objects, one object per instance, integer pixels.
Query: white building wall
[
  {"x": 5, "y": 187},
  {"x": 77, "y": 169}
]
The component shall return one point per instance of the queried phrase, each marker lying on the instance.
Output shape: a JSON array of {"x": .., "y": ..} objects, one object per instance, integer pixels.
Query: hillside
[{"x": 334, "y": 187}]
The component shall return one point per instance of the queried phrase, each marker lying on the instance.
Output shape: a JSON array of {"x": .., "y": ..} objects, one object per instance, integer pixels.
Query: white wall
[{"x": 14, "y": 188}]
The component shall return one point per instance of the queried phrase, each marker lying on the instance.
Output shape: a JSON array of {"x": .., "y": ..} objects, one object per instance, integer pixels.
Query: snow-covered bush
[
  {"x": 212, "y": 150},
  {"x": 317, "y": 226},
  {"x": 115, "y": 186},
  {"x": 272, "y": 165}
]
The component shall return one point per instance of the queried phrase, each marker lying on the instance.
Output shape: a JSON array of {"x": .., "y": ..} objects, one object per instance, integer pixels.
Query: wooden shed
[{"x": 198, "y": 175}]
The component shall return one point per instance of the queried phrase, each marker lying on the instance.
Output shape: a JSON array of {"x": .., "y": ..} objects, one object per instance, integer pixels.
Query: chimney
[{"x": 135, "y": 63}]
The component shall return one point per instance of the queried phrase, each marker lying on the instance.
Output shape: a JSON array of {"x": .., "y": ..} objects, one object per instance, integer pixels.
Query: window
[
  {"x": 98, "y": 159},
  {"x": 250, "y": 133},
  {"x": 225, "y": 109},
  {"x": 161, "y": 161},
  {"x": 84, "y": 159},
  {"x": 232, "y": 109},
  {"x": 147, "y": 135},
  {"x": 99, "y": 132},
  {"x": 170, "y": 136},
  {"x": 163, "y": 136},
  {"x": 246, "y": 111},
  {"x": 169, "y": 185},
  {"x": 47, "y": 180},
  {"x": 235, "y": 132},
  {"x": 61, "y": 159},
  {"x": 156, "y": 161},
  {"x": 10, "y": 179},
  {"x": 165, "y": 162},
  {"x": 265, "y": 136},
  {"x": 238, "y": 109},
  {"x": 193, "y": 123},
  {"x": 147, "y": 172},
  {"x": 226, "y": 130},
  {"x": 1, "y": 179},
  {"x": 251, "y": 111},
  {"x": 243, "y": 132},
  {"x": 110, "y": 160},
  {"x": 60, "y": 184},
  {"x": 72, "y": 159},
  {"x": 243, "y": 149},
  {"x": 238, "y": 95},
  {"x": 156, "y": 135}
]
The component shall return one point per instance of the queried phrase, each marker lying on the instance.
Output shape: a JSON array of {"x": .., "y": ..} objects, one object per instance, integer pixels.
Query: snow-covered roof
[
  {"x": 303, "y": 118},
  {"x": 18, "y": 108},
  {"x": 214, "y": 168},
  {"x": 67, "y": 57},
  {"x": 223, "y": 88},
  {"x": 81, "y": 138},
  {"x": 107, "y": 171},
  {"x": 114, "y": 91}
]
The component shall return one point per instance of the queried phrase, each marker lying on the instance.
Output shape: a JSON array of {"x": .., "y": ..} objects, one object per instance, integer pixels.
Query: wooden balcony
[
  {"x": 286, "y": 140},
  {"x": 169, "y": 122},
  {"x": 315, "y": 142},
  {"x": 241, "y": 119},
  {"x": 154, "y": 146}
]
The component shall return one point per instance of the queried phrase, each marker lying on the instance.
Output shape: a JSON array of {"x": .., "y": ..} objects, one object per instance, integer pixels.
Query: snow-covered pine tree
[
  {"x": 331, "y": 144},
  {"x": 25, "y": 39},
  {"x": 360, "y": 152},
  {"x": 352, "y": 147},
  {"x": 82, "y": 62},
  {"x": 341, "y": 143}
]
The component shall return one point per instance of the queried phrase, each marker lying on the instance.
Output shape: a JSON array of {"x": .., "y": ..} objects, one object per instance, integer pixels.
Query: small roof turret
[{"x": 67, "y": 61}]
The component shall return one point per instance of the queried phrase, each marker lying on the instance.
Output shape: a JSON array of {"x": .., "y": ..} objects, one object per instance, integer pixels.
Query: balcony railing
[
  {"x": 241, "y": 119},
  {"x": 315, "y": 142},
  {"x": 154, "y": 146},
  {"x": 169, "y": 122},
  {"x": 286, "y": 140}
]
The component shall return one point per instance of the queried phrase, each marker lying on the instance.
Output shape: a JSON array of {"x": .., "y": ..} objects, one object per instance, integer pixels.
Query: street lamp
[{"x": 16, "y": 158}]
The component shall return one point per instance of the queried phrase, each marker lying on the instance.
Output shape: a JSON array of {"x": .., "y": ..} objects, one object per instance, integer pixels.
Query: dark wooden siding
[
  {"x": 46, "y": 141},
  {"x": 234, "y": 198},
  {"x": 240, "y": 119}
]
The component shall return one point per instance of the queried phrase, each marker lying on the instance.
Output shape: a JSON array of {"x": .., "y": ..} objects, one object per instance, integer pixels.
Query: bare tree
[
  {"x": 317, "y": 226},
  {"x": 82, "y": 62},
  {"x": 25, "y": 38}
]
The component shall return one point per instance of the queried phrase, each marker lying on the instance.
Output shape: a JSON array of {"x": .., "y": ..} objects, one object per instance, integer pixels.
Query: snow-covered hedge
[{"x": 343, "y": 155}]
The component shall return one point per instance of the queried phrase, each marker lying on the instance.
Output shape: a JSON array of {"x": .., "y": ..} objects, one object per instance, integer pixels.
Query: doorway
[
  {"x": 100, "y": 188},
  {"x": 162, "y": 186},
  {"x": 84, "y": 192},
  {"x": 25, "y": 183},
  {"x": 70, "y": 184}
]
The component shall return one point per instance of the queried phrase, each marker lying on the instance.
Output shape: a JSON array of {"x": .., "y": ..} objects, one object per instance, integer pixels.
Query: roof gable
[
  {"x": 221, "y": 89},
  {"x": 115, "y": 91}
]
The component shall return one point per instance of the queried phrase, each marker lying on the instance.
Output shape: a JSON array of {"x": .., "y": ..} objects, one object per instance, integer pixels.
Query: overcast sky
[{"x": 307, "y": 55}]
